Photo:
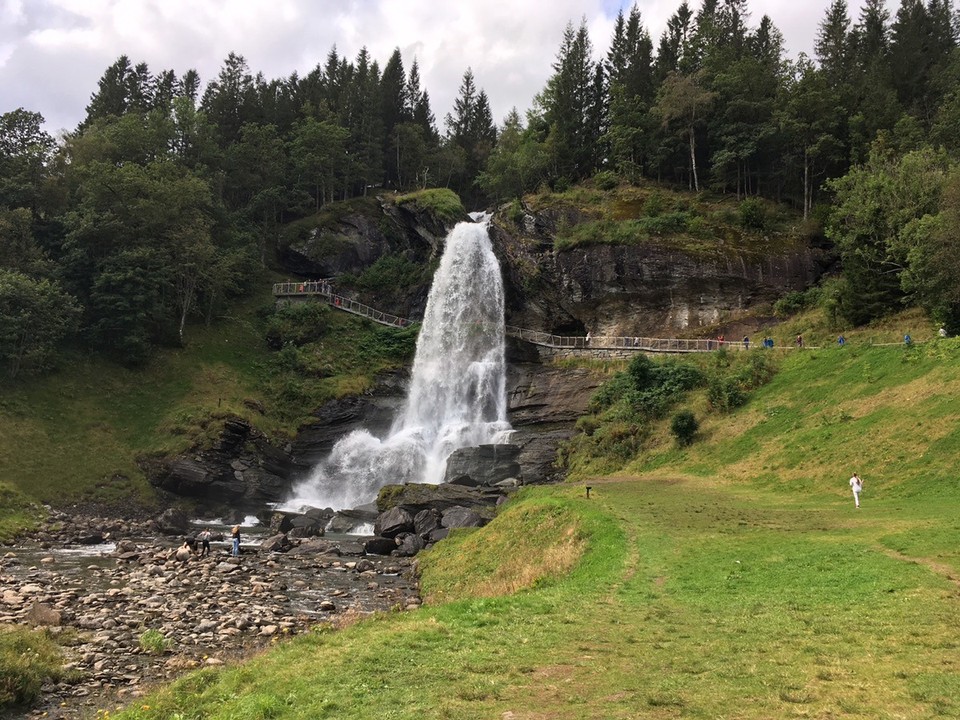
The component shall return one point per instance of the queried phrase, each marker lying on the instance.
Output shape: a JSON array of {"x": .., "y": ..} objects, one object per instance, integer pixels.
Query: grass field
[{"x": 731, "y": 579}]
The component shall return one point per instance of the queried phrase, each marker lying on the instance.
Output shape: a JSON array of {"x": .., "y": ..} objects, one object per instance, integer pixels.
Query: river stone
[
  {"x": 461, "y": 517},
  {"x": 42, "y": 614},
  {"x": 379, "y": 546},
  {"x": 276, "y": 543},
  {"x": 315, "y": 546},
  {"x": 408, "y": 544},
  {"x": 393, "y": 522}
]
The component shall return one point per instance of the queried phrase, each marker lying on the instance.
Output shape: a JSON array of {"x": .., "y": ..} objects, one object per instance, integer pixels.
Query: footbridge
[{"x": 601, "y": 345}]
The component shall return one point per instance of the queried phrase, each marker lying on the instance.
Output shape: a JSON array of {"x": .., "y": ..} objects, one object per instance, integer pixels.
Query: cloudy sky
[{"x": 52, "y": 52}]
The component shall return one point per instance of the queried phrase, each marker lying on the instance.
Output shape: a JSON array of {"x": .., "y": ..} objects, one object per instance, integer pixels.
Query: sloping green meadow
[{"x": 731, "y": 579}]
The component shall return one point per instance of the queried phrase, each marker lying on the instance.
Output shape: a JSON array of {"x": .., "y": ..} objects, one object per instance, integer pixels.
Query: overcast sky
[{"x": 52, "y": 52}]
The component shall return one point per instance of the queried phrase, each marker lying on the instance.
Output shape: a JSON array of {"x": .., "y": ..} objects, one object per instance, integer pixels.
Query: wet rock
[
  {"x": 276, "y": 543},
  {"x": 379, "y": 546},
  {"x": 393, "y": 522},
  {"x": 426, "y": 521},
  {"x": 173, "y": 521},
  {"x": 483, "y": 465}
]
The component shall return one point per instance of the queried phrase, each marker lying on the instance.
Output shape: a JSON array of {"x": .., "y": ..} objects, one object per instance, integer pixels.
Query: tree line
[{"x": 168, "y": 196}]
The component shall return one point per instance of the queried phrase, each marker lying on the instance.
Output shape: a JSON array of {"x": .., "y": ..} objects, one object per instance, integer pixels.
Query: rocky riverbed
[{"x": 132, "y": 615}]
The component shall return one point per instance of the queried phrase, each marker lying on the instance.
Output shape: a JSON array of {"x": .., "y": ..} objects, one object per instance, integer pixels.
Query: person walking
[
  {"x": 856, "y": 485},
  {"x": 204, "y": 538}
]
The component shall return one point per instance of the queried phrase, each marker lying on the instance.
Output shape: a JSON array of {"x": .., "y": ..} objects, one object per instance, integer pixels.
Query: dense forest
[{"x": 168, "y": 197}]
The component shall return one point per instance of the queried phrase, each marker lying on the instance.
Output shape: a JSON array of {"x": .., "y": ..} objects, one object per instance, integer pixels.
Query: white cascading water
[{"x": 457, "y": 395}]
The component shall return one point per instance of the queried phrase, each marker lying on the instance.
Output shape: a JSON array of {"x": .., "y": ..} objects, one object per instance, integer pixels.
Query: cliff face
[{"x": 653, "y": 289}]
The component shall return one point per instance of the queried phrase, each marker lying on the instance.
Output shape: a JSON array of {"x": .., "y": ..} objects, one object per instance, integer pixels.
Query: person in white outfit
[{"x": 856, "y": 484}]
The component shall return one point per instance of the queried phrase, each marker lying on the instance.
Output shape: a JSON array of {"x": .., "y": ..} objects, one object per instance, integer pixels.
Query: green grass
[
  {"x": 28, "y": 659},
  {"x": 77, "y": 435},
  {"x": 730, "y": 579},
  {"x": 442, "y": 202}
]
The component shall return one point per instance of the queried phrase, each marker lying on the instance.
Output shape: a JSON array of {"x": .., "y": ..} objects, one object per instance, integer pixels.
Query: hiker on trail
[
  {"x": 856, "y": 484},
  {"x": 204, "y": 538},
  {"x": 799, "y": 341},
  {"x": 746, "y": 342},
  {"x": 942, "y": 332},
  {"x": 841, "y": 341},
  {"x": 235, "y": 537},
  {"x": 907, "y": 339}
]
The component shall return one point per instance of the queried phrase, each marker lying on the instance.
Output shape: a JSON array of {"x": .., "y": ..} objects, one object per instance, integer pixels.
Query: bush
[
  {"x": 443, "y": 203},
  {"x": 725, "y": 394},
  {"x": 153, "y": 642},
  {"x": 684, "y": 427},
  {"x": 753, "y": 214},
  {"x": 297, "y": 324},
  {"x": 606, "y": 180}
]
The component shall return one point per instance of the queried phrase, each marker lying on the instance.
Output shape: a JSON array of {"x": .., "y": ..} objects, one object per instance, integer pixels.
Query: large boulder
[
  {"x": 461, "y": 517},
  {"x": 483, "y": 465},
  {"x": 408, "y": 545},
  {"x": 426, "y": 521},
  {"x": 415, "y": 497},
  {"x": 394, "y": 521},
  {"x": 379, "y": 546},
  {"x": 173, "y": 521}
]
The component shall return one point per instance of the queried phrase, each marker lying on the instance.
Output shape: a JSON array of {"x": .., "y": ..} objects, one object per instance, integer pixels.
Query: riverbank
[{"x": 130, "y": 615}]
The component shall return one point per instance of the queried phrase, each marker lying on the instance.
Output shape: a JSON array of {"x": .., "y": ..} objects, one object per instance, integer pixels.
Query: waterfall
[{"x": 457, "y": 394}]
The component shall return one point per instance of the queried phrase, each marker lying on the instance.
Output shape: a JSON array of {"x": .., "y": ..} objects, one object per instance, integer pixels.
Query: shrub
[
  {"x": 153, "y": 642},
  {"x": 753, "y": 214},
  {"x": 297, "y": 324},
  {"x": 797, "y": 301},
  {"x": 725, "y": 394},
  {"x": 654, "y": 204},
  {"x": 684, "y": 427},
  {"x": 606, "y": 180}
]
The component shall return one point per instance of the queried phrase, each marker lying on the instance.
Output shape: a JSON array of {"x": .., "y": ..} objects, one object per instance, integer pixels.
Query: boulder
[
  {"x": 415, "y": 497},
  {"x": 408, "y": 544},
  {"x": 43, "y": 614},
  {"x": 379, "y": 546},
  {"x": 483, "y": 465},
  {"x": 461, "y": 517},
  {"x": 315, "y": 546},
  {"x": 393, "y": 522},
  {"x": 276, "y": 543},
  {"x": 426, "y": 521},
  {"x": 173, "y": 521}
]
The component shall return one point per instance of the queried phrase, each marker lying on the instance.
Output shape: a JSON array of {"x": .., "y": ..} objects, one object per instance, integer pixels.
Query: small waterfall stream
[{"x": 457, "y": 392}]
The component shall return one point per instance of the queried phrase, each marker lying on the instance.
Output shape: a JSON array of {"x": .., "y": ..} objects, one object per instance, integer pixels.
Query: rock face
[
  {"x": 652, "y": 289},
  {"x": 242, "y": 469},
  {"x": 483, "y": 465}
]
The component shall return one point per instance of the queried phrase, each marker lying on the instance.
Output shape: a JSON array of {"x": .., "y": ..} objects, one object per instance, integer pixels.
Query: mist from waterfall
[{"x": 457, "y": 394}]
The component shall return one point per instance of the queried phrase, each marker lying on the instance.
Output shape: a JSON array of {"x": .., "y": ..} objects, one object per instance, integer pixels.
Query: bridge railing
[
  {"x": 674, "y": 345},
  {"x": 324, "y": 289}
]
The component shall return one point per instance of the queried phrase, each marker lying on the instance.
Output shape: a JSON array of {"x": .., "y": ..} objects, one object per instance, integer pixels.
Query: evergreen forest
[{"x": 163, "y": 204}]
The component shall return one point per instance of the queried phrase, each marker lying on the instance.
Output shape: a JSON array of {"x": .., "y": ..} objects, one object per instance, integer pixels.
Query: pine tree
[{"x": 833, "y": 44}]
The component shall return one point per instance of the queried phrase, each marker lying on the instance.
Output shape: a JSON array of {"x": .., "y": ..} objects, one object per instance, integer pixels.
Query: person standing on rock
[
  {"x": 235, "y": 536},
  {"x": 204, "y": 538}
]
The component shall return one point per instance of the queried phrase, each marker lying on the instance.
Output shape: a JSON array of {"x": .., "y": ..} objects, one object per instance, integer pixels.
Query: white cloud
[{"x": 52, "y": 52}]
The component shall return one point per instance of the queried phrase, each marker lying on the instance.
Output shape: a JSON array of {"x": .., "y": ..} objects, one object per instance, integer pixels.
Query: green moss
[{"x": 441, "y": 202}]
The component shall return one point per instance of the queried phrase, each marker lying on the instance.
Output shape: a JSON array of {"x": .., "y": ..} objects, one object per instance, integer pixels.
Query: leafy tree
[
  {"x": 35, "y": 316},
  {"x": 25, "y": 152},
  {"x": 682, "y": 102},
  {"x": 518, "y": 164},
  {"x": 874, "y": 225},
  {"x": 317, "y": 150}
]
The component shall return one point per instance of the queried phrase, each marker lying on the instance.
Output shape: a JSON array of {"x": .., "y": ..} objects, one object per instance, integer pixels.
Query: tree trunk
[
  {"x": 806, "y": 184},
  {"x": 693, "y": 160}
]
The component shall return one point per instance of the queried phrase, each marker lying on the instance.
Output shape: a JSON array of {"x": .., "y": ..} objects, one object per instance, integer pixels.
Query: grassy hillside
[
  {"x": 730, "y": 579},
  {"x": 76, "y": 435}
]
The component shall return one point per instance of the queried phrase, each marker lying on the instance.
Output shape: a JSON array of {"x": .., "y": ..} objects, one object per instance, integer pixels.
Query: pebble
[{"x": 206, "y": 611}]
